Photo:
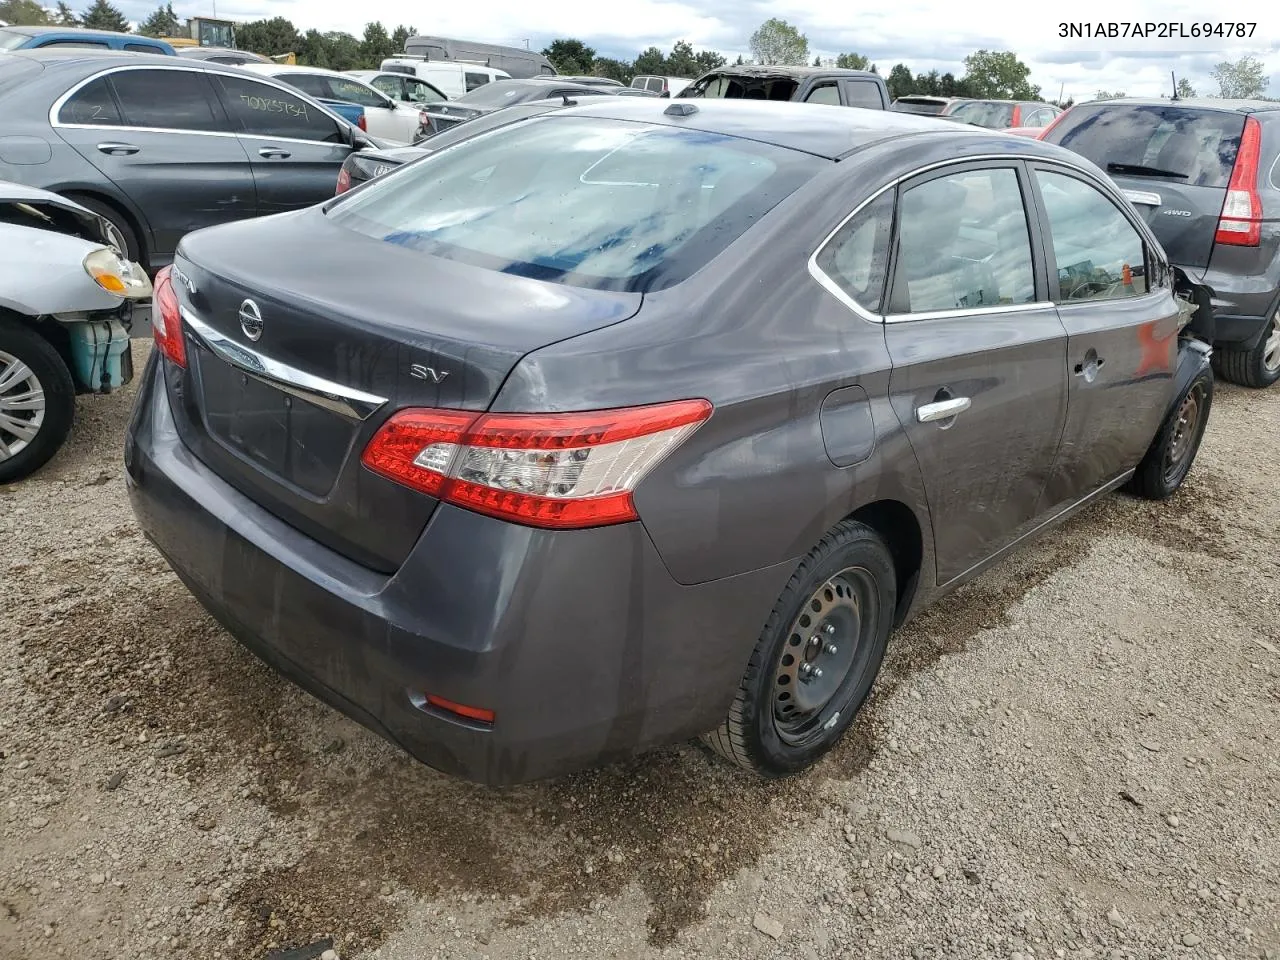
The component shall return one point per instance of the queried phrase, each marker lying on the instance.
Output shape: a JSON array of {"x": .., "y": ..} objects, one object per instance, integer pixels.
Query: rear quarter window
[
  {"x": 864, "y": 93},
  {"x": 1198, "y": 146}
]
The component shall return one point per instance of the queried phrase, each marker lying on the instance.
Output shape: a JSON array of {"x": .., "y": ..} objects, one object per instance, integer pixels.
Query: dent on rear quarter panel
[{"x": 758, "y": 337}]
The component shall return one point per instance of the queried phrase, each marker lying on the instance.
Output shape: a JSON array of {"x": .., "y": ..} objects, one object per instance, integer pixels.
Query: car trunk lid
[
  {"x": 348, "y": 329},
  {"x": 1172, "y": 161}
]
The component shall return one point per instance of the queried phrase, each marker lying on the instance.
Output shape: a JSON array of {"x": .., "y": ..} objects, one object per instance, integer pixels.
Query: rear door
[
  {"x": 160, "y": 134},
  {"x": 295, "y": 149},
  {"x": 1172, "y": 162},
  {"x": 979, "y": 356},
  {"x": 1121, "y": 320}
]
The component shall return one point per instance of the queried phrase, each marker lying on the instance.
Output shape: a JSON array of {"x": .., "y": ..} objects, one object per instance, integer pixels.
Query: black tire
[
  {"x": 1169, "y": 458},
  {"x": 20, "y": 343},
  {"x": 759, "y": 734},
  {"x": 126, "y": 236},
  {"x": 1256, "y": 368}
]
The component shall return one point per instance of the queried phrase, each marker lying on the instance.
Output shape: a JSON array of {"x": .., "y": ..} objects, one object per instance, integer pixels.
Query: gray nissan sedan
[{"x": 642, "y": 420}]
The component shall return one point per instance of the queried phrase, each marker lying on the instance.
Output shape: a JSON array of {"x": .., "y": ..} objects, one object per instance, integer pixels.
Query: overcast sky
[{"x": 924, "y": 34}]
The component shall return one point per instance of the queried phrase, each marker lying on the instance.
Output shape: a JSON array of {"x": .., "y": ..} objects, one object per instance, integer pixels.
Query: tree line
[{"x": 988, "y": 74}]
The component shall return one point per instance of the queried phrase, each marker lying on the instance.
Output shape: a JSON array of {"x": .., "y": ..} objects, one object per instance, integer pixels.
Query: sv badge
[{"x": 427, "y": 373}]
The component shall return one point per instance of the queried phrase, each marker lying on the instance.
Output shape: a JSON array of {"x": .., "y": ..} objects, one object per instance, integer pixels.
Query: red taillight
[
  {"x": 362, "y": 124},
  {"x": 166, "y": 319},
  {"x": 344, "y": 181},
  {"x": 555, "y": 470},
  {"x": 1053, "y": 123},
  {"x": 1240, "y": 224}
]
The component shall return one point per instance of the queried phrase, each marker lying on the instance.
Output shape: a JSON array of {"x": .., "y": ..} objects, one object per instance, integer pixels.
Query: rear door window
[
  {"x": 824, "y": 93},
  {"x": 863, "y": 93},
  {"x": 93, "y": 105},
  {"x": 167, "y": 100},
  {"x": 474, "y": 80},
  {"x": 266, "y": 111},
  {"x": 963, "y": 244},
  {"x": 95, "y": 44},
  {"x": 1195, "y": 147}
]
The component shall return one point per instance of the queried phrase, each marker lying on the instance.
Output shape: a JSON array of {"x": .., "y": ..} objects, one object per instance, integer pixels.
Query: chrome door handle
[
  {"x": 274, "y": 153},
  {"x": 942, "y": 410},
  {"x": 118, "y": 149}
]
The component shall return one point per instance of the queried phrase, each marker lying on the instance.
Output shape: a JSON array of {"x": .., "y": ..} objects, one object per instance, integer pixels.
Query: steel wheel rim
[
  {"x": 812, "y": 680},
  {"x": 1185, "y": 427},
  {"x": 1271, "y": 349},
  {"x": 22, "y": 406}
]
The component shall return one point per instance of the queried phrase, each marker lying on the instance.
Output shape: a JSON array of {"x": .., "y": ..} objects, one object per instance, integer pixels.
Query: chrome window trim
[
  {"x": 833, "y": 288},
  {"x": 343, "y": 400},
  {"x": 198, "y": 68}
]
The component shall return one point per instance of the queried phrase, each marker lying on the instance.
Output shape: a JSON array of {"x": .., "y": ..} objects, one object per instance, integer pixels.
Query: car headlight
[{"x": 117, "y": 275}]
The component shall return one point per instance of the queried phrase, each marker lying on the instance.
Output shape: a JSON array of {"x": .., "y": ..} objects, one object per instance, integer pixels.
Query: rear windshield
[
  {"x": 498, "y": 94},
  {"x": 589, "y": 202},
  {"x": 11, "y": 40},
  {"x": 996, "y": 116},
  {"x": 1198, "y": 147},
  {"x": 928, "y": 108},
  {"x": 735, "y": 87}
]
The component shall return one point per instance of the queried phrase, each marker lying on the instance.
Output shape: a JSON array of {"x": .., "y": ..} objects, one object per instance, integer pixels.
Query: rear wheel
[
  {"x": 37, "y": 401},
  {"x": 1259, "y": 367},
  {"x": 817, "y": 658},
  {"x": 1169, "y": 459}
]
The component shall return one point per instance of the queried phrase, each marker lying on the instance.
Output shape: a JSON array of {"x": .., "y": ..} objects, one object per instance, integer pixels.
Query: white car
[
  {"x": 384, "y": 118},
  {"x": 452, "y": 77},
  {"x": 400, "y": 86}
]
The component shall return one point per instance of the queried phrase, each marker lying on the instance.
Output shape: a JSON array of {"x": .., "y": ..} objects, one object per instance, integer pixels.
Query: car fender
[
  {"x": 1193, "y": 358},
  {"x": 43, "y": 273}
]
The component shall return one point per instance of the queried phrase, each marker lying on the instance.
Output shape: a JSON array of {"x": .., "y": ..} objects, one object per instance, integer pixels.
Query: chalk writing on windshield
[{"x": 268, "y": 105}]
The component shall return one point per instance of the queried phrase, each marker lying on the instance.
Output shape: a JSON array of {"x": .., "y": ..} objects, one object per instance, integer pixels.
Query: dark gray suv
[{"x": 1205, "y": 175}]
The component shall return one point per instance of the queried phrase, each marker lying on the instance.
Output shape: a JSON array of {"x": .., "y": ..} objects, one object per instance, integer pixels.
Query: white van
[
  {"x": 453, "y": 78},
  {"x": 662, "y": 86}
]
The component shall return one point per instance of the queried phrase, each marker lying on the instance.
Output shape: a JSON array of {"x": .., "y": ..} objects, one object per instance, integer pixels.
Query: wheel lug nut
[
  {"x": 817, "y": 673},
  {"x": 806, "y": 669},
  {"x": 832, "y": 649},
  {"x": 831, "y": 629}
]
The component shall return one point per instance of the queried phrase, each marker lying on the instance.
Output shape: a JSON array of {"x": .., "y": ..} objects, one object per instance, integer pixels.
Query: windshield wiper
[{"x": 1138, "y": 170}]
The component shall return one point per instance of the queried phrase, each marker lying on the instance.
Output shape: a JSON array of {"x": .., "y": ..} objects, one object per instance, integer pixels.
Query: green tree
[
  {"x": 999, "y": 74},
  {"x": 103, "y": 16},
  {"x": 163, "y": 23},
  {"x": 949, "y": 86},
  {"x": 707, "y": 60},
  {"x": 739, "y": 61},
  {"x": 269, "y": 37},
  {"x": 570, "y": 56},
  {"x": 682, "y": 62},
  {"x": 400, "y": 35},
  {"x": 618, "y": 70},
  {"x": 651, "y": 63},
  {"x": 900, "y": 81},
  {"x": 1242, "y": 79},
  {"x": 64, "y": 16},
  {"x": 1185, "y": 89},
  {"x": 376, "y": 45},
  {"x": 777, "y": 41},
  {"x": 23, "y": 13},
  {"x": 1109, "y": 95},
  {"x": 853, "y": 61}
]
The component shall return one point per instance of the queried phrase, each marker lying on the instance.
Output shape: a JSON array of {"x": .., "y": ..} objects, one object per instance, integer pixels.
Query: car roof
[
  {"x": 68, "y": 57},
  {"x": 783, "y": 70},
  {"x": 823, "y": 130},
  {"x": 1198, "y": 103},
  {"x": 40, "y": 31}
]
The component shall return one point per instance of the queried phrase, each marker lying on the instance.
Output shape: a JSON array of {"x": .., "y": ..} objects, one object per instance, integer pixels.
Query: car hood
[{"x": 35, "y": 208}]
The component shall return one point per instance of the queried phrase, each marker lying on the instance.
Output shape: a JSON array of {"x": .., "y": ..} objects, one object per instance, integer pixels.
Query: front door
[
  {"x": 1121, "y": 319},
  {"x": 979, "y": 357},
  {"x": 161, "y": 136},
  {"x": 296, "y": 150}
]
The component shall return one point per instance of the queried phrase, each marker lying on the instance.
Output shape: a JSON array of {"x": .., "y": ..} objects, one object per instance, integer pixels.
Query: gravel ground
[{"x": 1076, "y": 756}]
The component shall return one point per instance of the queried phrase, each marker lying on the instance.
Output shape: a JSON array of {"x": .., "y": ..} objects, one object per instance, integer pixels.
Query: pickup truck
[{"x": 351, "y": 112}]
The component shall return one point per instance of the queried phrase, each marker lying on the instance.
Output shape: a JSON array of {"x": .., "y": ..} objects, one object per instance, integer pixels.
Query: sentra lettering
[{"x": 1157, "y": 30}]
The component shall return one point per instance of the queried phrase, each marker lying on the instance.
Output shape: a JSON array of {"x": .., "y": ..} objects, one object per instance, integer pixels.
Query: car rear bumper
[
  {"x": 1242, "y": 305},
  {"x": 580, "y": 641}
]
